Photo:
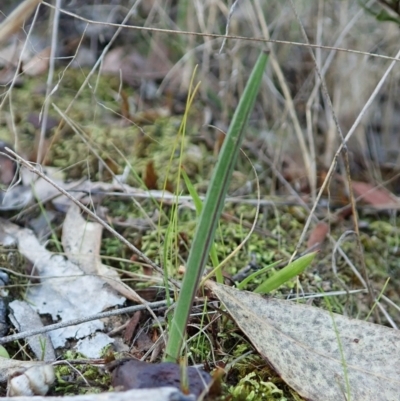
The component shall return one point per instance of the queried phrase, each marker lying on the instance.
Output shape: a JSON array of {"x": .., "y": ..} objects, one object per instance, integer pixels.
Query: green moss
[
  {"x": 253, "y": 388},
  {"x": 255, "y": 381},
  {"x": 75, "y": 378}
]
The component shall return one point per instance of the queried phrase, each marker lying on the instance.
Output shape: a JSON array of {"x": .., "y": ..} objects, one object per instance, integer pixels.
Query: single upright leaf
[
  {"x": 322, "y": 355},
  {"x": 211, "y": 211}
]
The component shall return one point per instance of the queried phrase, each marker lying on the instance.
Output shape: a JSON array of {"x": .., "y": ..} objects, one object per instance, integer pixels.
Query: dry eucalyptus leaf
[
  {"x": 65, "y": 292},
  {"x": 25, "y": 318},
  {"x": 318, "y": 353},
  {"x": 82, "y": 241}
]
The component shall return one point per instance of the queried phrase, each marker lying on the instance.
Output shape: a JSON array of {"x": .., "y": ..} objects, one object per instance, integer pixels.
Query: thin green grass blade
[
  {"x": 198, "y": 204},
  {"x": 282, "y": 276},
  {"x": 172, "y": 231},
  {"x": 211, "y": 212}
]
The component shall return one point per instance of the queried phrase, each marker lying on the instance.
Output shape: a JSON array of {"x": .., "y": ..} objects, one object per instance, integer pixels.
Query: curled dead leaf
[{"x": 35, "y": 381}]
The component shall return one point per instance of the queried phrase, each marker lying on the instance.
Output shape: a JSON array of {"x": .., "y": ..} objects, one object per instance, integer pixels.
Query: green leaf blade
[
  {"x": 287, "y": 273},
  {"x": 212, "y": 208}
]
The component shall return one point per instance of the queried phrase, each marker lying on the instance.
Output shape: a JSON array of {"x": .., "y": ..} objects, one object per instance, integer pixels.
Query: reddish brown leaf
[
  {"x": 336, "y": 191},
  {"x": 130, "y": 329},
  {"x": 125, "y": 108},
  {"x": 216, "y": 386},
  {"x": 318, "y": 235},
  {"x": 150, "y": 294},
  {"x": 150, "y": 177},
  {"x": 220, "y": 137},
  {"x": 8, "y": 167},
  {"x": 170, "y": 187},
  {"x": 373, "y": 195},
  {"x": 150, "y": 116}
]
